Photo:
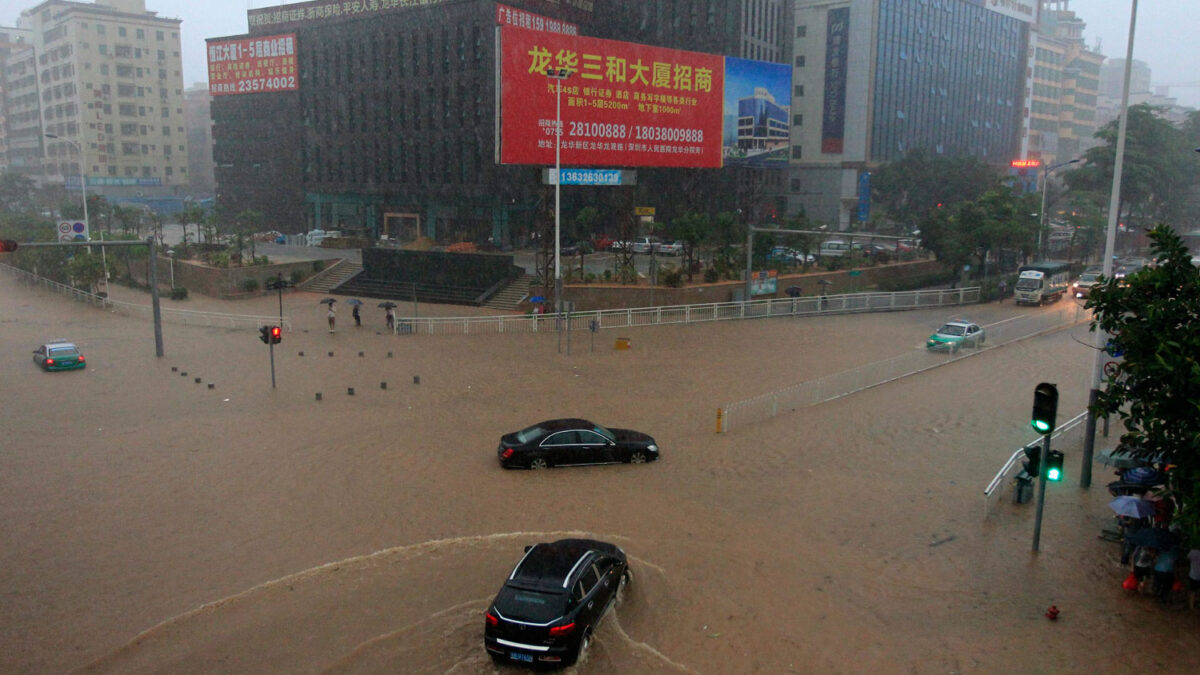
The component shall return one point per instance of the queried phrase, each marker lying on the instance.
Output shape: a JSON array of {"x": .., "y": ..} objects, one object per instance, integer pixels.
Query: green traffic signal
[{"x": 1054, "y": 465}]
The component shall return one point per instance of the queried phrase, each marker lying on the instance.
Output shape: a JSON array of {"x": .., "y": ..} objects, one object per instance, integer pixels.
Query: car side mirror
[{"x": 527, "y": 548}]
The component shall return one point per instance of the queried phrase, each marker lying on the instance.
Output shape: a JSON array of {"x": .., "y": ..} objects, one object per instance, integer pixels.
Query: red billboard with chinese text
[
  {"x": 624, "y": 104},
  {"x": 252, "y": 65}
]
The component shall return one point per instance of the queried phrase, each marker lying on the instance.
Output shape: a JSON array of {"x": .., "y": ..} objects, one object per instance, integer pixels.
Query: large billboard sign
[
  {"x": 837, "y": 49},
  {"x": 254, "y": 65},
  {"x": 624, "y": 104}
]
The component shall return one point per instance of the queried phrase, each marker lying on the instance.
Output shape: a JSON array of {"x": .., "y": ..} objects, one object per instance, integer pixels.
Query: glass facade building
[{"x": 948, "y": 78}]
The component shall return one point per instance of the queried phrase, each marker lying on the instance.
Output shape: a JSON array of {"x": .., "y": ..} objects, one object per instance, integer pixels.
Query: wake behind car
[
  {"x": 545, "y": 613},
  {"x": 58, "y": 355},
  {"x": 563, "y": 442},
  {"x": 955, "y": 334}
]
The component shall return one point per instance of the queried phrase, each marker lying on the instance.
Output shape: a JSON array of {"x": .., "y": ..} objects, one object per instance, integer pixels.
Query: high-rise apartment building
[
  {"x": 876, "y": 79},
  {"x": 197, "y": 111},
  {"x": 20, "y": 117},
  {"x": 108, "y": 84},
  {"x": 1063, "y": 89}
]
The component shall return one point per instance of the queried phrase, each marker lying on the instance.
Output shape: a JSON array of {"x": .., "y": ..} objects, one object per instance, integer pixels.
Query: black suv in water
[{"x": 553, "y": 600}]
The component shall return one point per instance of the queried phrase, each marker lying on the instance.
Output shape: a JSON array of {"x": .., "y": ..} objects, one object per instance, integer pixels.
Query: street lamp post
[
  {"x": 1042, "y": 214},
  {"x": 83, "y": 191},
  {"x": 558, "y": 75}
]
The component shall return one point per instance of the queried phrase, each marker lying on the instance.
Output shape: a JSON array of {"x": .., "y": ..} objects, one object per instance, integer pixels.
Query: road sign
[{"x": 643, "y": 210}]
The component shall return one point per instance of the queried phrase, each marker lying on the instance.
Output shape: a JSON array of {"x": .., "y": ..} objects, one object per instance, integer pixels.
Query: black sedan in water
[
  {"x": 546, "y": 611},
  {"x": 573, "y": 441}
]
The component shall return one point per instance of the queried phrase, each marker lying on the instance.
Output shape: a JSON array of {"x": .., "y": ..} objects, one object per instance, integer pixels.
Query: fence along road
[
  {"x": 765, "y": 406},
  {"x": 184, "y": 316},
  {"x": 850, "y": 303}
]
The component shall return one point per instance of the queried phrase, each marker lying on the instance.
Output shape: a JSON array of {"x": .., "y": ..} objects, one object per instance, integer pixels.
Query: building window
[
  {"x": 121, "y": 31},
  {"x": 798, "y": 120},
  {"x": 799, "y": 90},
  {"x": 800, "y": 61},
  {"x": 801, "y": 31},
  {"x": 796, "y": 153},
  {"x": 141, "y": 34},
  {"x": 99, "y": 29},
  {"x": 158, "y": 35}
]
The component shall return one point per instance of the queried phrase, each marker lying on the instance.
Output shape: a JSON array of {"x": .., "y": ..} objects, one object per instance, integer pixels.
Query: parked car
[
  {"x": 644, "y": 244},
  {"x": 669, "y": 248},
  {"x": 602, "y": 242},
  {"x": 1083, "y": 285},
  {"x": 954, "y": 335},
  {"x": 59, "y": 355},
  {"x": 557, "y": 594},
  {"x": 568, "y": 249},
  {"x": 790, "y": 256},
  {"x": 564, "y": 442}
]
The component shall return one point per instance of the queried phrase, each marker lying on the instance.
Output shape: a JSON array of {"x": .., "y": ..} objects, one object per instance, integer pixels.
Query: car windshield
[
  {"x": 1089, "y": 276},
  {"x": 532, "y": 433},
  {"x": 1029, "y": 284},
  {"x": 952, "y": 329},
  {"x": 532, "y": 606},
  {"x": 62, "y": 352},
  {"x": 605, "y": 433}
]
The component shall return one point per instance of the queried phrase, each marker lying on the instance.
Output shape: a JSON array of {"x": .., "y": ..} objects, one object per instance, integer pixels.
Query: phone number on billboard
[
  {"x": 266, "y": 84},
  {"x": 601, "y": 130}
]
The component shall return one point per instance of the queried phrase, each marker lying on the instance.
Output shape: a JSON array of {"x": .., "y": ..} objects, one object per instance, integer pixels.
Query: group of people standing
[
  {"x": 1157, "y": 553},
  {"x": 332, "y": 316}
]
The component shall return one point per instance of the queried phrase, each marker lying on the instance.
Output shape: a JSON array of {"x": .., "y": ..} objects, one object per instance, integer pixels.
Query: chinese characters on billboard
[
  {"x": 837, "y": 48},
  {"x": 624, "y": 104},
  {"x": 252, "y": 65},
  {"x": 511, "y": 16}
]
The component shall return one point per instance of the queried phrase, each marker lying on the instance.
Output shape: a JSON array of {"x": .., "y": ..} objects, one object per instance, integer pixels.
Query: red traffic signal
[
  {"x": 276, "y": 335},
  {"x": 7, "y": 246}
]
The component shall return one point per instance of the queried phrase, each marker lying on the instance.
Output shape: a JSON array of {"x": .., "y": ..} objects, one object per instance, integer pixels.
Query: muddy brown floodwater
[{"x": 151, "y": 524}]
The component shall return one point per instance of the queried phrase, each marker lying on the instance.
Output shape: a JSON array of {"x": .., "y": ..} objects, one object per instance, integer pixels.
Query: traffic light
[
  {"x": 1033, "y": 465},
  {"x": 7, "y": 246},
  {"x": 276, "y": 335},
  {"x": 1045, "y": 408},
  {"x": 264, "y": 334},
  {"x": 1054, "y": 463}
]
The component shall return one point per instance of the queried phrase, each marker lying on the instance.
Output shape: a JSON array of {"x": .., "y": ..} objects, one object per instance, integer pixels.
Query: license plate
[{"x": 517, "y": 656}]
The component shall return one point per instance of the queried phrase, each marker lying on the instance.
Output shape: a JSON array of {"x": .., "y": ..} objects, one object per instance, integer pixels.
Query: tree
[
  {"x": 691, "y": 228},
  {"x": 16, "y": 192},
  {"x": 192, "y": 215},
  {"x": 85, "y": 269},
  {"x": 1154, "y": 316},
  {"x": 585, "y": 222},
  {"x": 968, "y": 232},
  {"x": 913, "y": 187},
  {"x": 247, "y": 222}
]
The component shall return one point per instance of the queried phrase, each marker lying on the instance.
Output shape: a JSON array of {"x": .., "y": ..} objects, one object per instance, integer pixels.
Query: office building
[
  {"x": 389, "y": 129},
  {"x": 197, "y": 114},
  {"x": 875, "y": 79},
  {"x": 1064, "y": 87}
]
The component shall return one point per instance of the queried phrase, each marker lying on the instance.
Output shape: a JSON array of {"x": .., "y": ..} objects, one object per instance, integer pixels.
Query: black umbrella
[
  {"x": 1153, "y": 537},
  {"x": 354, "y": 301},
  {"x": 328, "y": 301},
  {"x": 387, "y": 305}
]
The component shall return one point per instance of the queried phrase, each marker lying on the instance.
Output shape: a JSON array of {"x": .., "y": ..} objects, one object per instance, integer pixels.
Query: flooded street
[{"x": 152, "y": 524}]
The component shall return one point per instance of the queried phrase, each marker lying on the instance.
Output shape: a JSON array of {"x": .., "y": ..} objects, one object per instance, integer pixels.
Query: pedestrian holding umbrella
[
  {"x": 332, "y": 312},
  {"x": 355, "y": 303},
  {"x": 389, "y": 310}
]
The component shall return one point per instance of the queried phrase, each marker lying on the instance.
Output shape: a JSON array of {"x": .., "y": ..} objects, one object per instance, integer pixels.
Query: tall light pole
[
  {"x": 1042, "y": 214},
  {"x": 83, "y": 190},
  {"x": 558, "y": 75},
  {"x": 1114, "y": 205}
]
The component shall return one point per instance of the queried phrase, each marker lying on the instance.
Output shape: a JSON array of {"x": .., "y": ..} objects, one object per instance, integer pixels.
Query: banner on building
[
  {"x": 758, "y": 96},
  {"x": 837, "y": 49},
  {"x": 254, "y": 65},
  {"x": 511, "y": 16},
  {"x": 624, "y": 104}
]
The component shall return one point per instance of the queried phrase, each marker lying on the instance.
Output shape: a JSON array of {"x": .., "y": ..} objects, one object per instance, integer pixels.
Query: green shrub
[
  {"x": 297, "y": 276},
  {"x": 608, "y": 275},
  {"x": 179, "y": 293},
  {"x": 671, "y": 277},
  {"x": 318, "y": 265},
  {"x": 711, "y": 276},
  {"x": 250, "y": 285}
]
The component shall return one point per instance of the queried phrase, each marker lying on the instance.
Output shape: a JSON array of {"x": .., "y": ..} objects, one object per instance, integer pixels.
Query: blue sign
[
  {"x": 587, "y": 177},
  {"x": 864, "y": 197}
]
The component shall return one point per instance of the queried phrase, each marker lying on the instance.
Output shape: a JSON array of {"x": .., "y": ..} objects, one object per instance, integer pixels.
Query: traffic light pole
[
  {"x": 272, "y": 346},
  {"x": 1037, "y": 522}
]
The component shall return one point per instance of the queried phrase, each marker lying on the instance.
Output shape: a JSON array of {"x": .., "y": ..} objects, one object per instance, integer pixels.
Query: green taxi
[
  {"x": 955, "y": 334},
  {"x": 59, "y": 355}
]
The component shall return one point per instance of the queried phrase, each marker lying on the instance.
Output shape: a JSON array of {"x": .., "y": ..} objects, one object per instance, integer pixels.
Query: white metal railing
[
  {"x": 765, "y": 406},
  {"x": 184, "y": 316},
  {"x": 684, "y": 314},
  {"x": 1070, "y": 429}
]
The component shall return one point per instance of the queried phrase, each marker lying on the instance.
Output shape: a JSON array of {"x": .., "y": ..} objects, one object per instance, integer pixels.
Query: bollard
[
  {"x": 211, "y": 385},
  {"x": 331, "y": 353},
  {"x": 416, "y": 379},
  {"x": 318, "y": 396},
  {"x": 174, "y": 369},
  {"x": 197, "y": 380},
  {"x": 383, "y": 385},
  {"x": 360, "y": 355},
  {"x": 183, "y": 374},
  {"x": 350, "y": 391},
  {"x": 301, "y": 353},
  {"x": 389, "y": 355}
]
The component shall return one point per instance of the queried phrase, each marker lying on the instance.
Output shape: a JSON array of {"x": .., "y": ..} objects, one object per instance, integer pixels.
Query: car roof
[
  {"x": 60, "y": 343},
  {"x": 959, "y": 322},
  {"x": 565, "y": 423},
  {"x": 551, "y": 566}
]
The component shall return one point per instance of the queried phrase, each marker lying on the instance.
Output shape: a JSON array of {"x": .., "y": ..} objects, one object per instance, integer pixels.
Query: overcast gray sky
[{"x": 1166, "y": 36}]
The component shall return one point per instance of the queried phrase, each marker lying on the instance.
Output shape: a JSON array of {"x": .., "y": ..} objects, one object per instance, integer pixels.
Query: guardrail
[
  {"x": 837, "y": 385},
  {"x": 995, "y": 488},
  {"x": 183, "y": 316},
  {"x": 683, "y": 314}
]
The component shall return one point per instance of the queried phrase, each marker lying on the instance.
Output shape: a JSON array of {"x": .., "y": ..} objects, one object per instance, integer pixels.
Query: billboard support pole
[{"x": 558, "y": 75}]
